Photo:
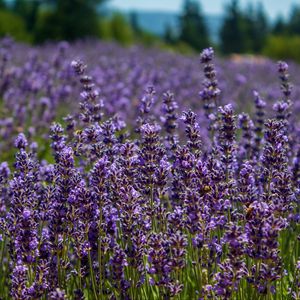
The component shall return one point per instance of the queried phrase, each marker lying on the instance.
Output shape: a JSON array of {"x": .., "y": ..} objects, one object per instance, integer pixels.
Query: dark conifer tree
[
  {"x": 294, "y": 21},
  {"x": 193, "y": 30},
  {"x": 28, "y": 10},
  {"x": 134, "y": 23},
  {"x": 70, "y": 20},
  {"x": 256, "y": 28},
  {"x": 279, "y": 27},
  {"x": 233, "y": 36},
  {"x": 261, "y": 26},
  {"x": 169, "y": 35},
  {"x": 2, "y": 4}
]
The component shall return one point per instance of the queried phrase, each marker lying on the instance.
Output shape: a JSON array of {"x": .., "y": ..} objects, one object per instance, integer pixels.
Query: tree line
[
  {"x": 39, "y": 21},
  {"x": 243, "y": 30}
]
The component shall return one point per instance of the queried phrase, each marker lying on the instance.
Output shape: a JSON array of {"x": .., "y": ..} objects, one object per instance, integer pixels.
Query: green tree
[
  {"x": 233, "y": 37},
  {"x": 28, "y": 10},
  {"x": 11, "y": 24},
  {"x": 169, "y": 36},
  {"x": 262, "y": 28},
  {"x": 279, "y": 27},
  {"x": 121, "y": 30},
  {"x": 104, "y": 29},
  {"x": 193, "y": 30},
  {"x": 134, "y": 23},
  {"x": 69, "y": 20},
  {"x": 47, "y": 27},
  {"x": 247, "y": 23},
  {"x": 256, "y": 28},
  {"x": 294, "y": 21},
  {"x": 283, "y": 47},
  {"x": 2, "y": 4}
]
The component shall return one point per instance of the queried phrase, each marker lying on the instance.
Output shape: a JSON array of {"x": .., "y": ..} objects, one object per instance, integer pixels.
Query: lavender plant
[{"x": 123, "y": 199}]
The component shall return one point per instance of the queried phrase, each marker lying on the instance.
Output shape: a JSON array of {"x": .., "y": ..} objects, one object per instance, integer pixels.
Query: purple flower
[
  {"x": 210, "y": 93},
  {"x": 207, "y": 55},
  {"x": 21, "y": 141}
]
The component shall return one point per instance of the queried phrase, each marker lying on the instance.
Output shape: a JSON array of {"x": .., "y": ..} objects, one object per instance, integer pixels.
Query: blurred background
[{"x": 246, "y": 28}]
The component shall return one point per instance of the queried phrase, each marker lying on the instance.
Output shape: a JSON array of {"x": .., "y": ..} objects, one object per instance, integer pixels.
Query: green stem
[{"x": 93, "y": 276}]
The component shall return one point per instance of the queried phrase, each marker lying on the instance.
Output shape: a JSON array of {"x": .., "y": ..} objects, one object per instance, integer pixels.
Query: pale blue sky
[{"x": 272, "y": 7}]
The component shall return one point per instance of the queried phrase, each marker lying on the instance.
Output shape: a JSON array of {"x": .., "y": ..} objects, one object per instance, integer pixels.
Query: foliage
[
  {"x": 232, "y": 33},
  {"x": 148, "y": 39},
  {"x": 192, "y": 26},
  {"x": 289, "y": 27},
  {"x": 279, "y": 47},
  {"x": 69, "y": 20},
  {"x": 105, "y": 29},
  {"x": 2, "y": 4},
  {"x": 279, "y": 27},
  {"x": 169, "y": 36},
  {"x": 293, "y": 24},
  {"x": 13, "y": 25},
  {"x": 257, "y": 28},
  {"x": 134, "y": 23},
  {"x": 28, "y": 10},
  {"x": 243, "y": 30},
  {"x": 121, "y": 30}
]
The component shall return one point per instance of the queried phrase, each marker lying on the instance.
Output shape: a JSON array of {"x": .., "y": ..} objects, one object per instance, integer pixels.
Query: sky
[{"x": 272, "y": 7}]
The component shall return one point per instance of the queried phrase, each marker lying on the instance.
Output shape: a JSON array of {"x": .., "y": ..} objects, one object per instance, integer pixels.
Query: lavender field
[{"x": 132, "y": 173}]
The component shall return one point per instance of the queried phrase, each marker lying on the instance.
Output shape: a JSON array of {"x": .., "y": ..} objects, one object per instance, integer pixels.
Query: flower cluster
[{"x": 133, "y": 204}]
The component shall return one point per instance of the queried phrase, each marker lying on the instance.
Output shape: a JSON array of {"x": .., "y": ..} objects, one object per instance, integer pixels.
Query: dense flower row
[
  {"x": 153, "y": 203},
  {"x": 37, "y": 85}
]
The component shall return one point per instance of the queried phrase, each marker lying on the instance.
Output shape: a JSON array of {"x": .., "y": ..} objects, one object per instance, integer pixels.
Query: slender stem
[{"x": 92, "y": 275}]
